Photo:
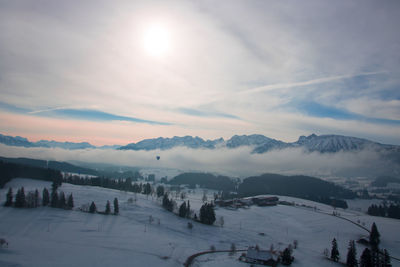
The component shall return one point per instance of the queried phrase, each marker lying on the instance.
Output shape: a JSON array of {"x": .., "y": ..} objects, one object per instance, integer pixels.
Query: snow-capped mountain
[
  {"x": 64, "y": 145},
  {"x": 168, "y": 143},
  {"x": 328, "y": 144},
  {"x": 250, "y": 140},
  {"x": 333, "y": 143},
  {"x": 262, "y": 144},
  {"x": 21, "y": 141},
  {"x": 15, "y": 141}
]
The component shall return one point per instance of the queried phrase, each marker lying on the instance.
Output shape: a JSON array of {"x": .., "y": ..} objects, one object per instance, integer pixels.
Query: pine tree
[
  {"x": 365, "y": 259},
  {"x": 23, "y": 198},
  {"x": 211, "y": 213},
  {"x": 334, "y": 251},
  {"x": 374, "y": 257},
  {"x": 108, "y": 208},
  {"x": 374, "y": 237},
  {"x": 20, "y": 201},
  {"x": 207, "y": 214},
  {"x": 188, "y": 209},
  {"x": 386, "y": 259},
  {"x": 9, "y": 198},
  {"x": 182, "y": 210},
  {"x": 70, "y": 202},
  {"x": 92, "y": 208},
  {"x": 54, "y": 196},
  {"x": 116, "y": 206},
  {"x": 351, "y": 255},
  {"x": 62, "y": 203},
  {"x": 36, "y": 199},
  {"x": 147, "y": 189},
  {"x": 381, "y": 258},
  {"x": 45, "y": 197},
  {"x": 287, "y": 257},
  {"x": 167, "y": 203},
  {"x": 160, "y": 191},
  {"x": 54, "y": 186}
]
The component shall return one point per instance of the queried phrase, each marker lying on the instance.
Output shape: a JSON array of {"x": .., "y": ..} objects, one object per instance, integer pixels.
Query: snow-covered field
[{"x": 54, "y": 237}]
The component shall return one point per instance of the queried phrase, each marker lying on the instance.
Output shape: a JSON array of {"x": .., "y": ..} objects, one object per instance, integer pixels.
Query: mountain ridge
[
  {"x": 24, "y": 142},
  {"x": 259, "y": 143}
]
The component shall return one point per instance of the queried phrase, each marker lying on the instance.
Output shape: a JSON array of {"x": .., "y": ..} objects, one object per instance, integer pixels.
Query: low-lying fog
[{"x": 232, "y": 162}]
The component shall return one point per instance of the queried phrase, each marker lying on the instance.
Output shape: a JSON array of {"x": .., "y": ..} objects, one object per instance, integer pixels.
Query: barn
[{"x": 264, "y": 257}]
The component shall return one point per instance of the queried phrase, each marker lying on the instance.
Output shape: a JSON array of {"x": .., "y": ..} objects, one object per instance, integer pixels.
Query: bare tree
[
  {"x": 204, "y": 196},
  {"x": 221, "y": 221},
  {"x": 233, "y": 249}
]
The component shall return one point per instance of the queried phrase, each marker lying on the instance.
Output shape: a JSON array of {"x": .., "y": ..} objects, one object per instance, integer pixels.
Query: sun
[{"x": 156, "y": 41}]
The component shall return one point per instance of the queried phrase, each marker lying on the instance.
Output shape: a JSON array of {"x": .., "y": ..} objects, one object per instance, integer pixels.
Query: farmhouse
[
  {"x": 264, "y": 257},
  {"x": 265, "y": 201},
  {"x": 224, "y": 203},
  {"x": 247, "y": 202}
]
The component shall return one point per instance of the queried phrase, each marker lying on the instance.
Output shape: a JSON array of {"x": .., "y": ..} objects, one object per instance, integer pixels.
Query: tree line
[
  {"x": 374, "y": 257},
  {"x": 391, "y": 211},
  {"x": 54, "y": 199},
  {"x": 119, "y": 184},
  {"x": 206, "y": 213},
  {"x": 93, "y": 208},
  {"x": 305, "y": 187},
  {"x": 13, "y": 170},
  {"x": 32, "y": 199}
]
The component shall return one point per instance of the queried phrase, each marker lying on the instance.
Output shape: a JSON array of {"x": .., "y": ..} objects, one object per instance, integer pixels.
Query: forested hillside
[{"x": 12, "y": 170}]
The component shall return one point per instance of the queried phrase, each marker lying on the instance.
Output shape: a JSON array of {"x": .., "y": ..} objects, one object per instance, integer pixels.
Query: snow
[{"x": 54, "y": 237}]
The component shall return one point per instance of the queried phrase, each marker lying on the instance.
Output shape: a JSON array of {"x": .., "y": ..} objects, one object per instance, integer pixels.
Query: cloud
[
  {"x": 233, "y": 162},
  {"x": 79, "y": 114},
  {"x": 305, "y": 83},
  {"x": 207, "y": 113},
  {"x": 93, "y": 115},
  {"x": 374, "y": 107},
  {"x": 88, "y": 58},
  {"x": 318, "y": 110}
]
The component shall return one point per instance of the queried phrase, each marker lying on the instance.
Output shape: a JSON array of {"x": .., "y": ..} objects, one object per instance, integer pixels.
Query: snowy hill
[{"x": 55, "y": 237}]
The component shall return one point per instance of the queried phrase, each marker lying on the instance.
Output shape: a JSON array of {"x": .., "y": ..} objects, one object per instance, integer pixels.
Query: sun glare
[{"x": 156, "y": 41}]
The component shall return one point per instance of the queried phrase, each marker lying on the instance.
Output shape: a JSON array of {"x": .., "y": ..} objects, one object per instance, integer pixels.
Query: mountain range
[
  {"x": 261, "y": 144},
  {"x": 258, "y": 143},
  {"x": 24, "y": 142}
]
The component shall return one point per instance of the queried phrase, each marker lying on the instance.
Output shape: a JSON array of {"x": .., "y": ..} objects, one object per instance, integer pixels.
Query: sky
[{"x": 116, "y": 72}]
